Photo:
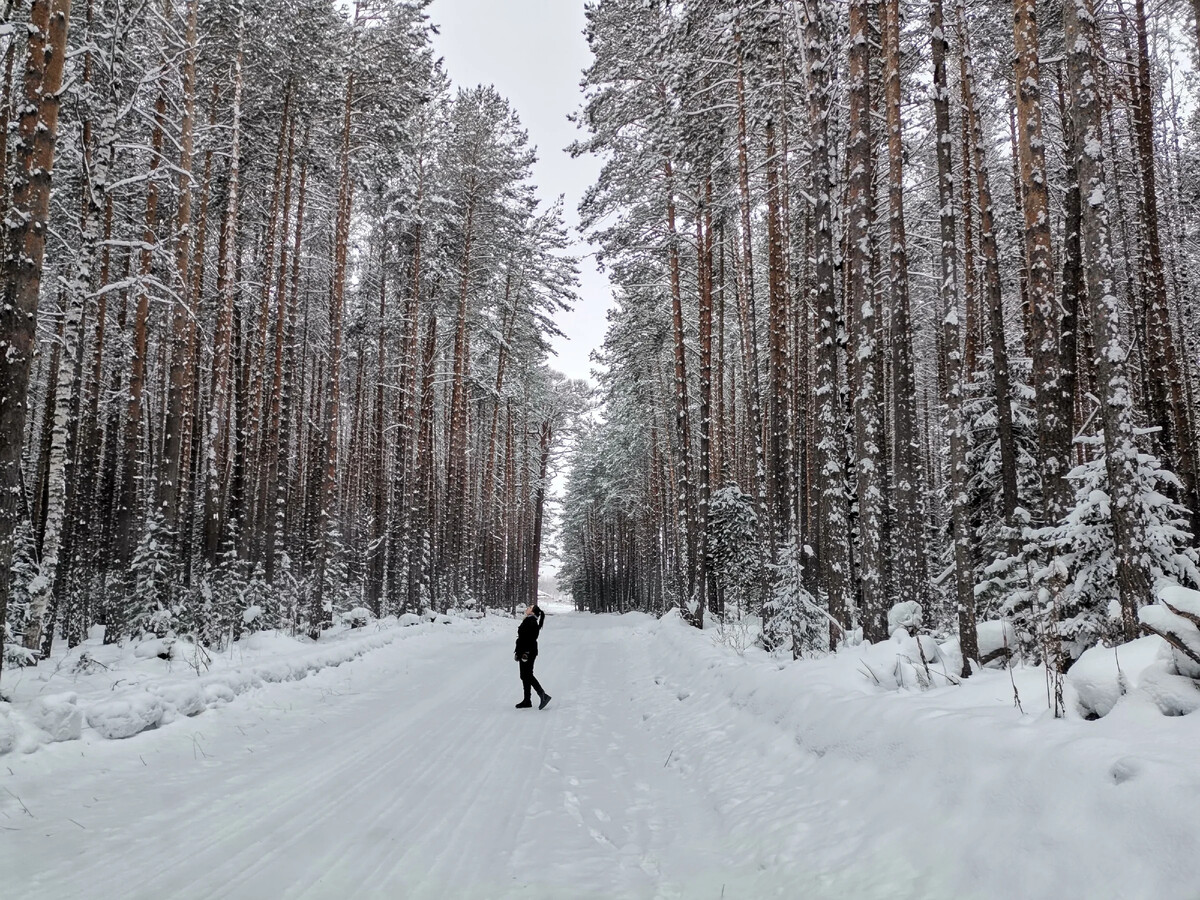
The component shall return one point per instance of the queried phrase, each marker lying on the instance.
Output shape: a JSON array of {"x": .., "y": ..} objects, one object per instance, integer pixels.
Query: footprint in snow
[
  {"x": 1124, "y": 769},
  {"x": 571, "y": 805},
  {"x": 600, "y": 838}
]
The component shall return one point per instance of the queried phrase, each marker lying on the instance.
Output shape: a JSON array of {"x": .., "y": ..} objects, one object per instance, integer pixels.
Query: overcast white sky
[{"x": 534, "y": 52}]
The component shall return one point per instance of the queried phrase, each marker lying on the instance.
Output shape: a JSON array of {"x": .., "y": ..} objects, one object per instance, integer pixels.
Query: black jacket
[{"x": 527, "y": 635}]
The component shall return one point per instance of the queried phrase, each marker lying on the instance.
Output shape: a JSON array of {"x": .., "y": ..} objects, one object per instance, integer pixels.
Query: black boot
[
  {"x": 545, "y": 700},
  {"x": 525, "y": 704}
]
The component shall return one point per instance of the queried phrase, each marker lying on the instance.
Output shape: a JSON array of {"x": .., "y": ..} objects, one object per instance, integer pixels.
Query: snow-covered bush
[
  {"x": 152, "y": 647},
  {"x": 334, "y": 586},
  {"x": 24, "y": 573},
  {"x": 1144, "y": 669},
  {"x": 229, "y": 600},
  {"x": 737, "y": 632},
  {"x": 1005, "y": 590},
  {"x": 260, "y": 607},
  {"x": 16, "y": 654},
  {"x": 906, "y": 615},
  {"x": 152, "y": 572},
  {"x": 905, "y": 662},
  {"x": 359, "y": 617},
  {"x": 1099, "y": 681},
  {"x": 997, "y": 641}
]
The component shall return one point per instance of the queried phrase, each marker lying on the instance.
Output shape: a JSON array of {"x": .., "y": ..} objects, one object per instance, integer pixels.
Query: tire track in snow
[
  {"x": 289, "y": 789},
  {"x": 318, "y": 838}
]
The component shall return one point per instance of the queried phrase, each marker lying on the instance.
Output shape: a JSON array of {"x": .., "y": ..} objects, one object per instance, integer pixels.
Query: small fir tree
[
  {"x": 733, "y": 546},
  {"x": 1081, "y": 553},
  {"x": 792, "y": 620}
]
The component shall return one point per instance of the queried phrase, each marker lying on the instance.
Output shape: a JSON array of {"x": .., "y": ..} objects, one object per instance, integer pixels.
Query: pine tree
[
  {"x": 152, "y": 569},
  {"x": 1084, "y": 556},
  {"x": 792, "y": 620}
]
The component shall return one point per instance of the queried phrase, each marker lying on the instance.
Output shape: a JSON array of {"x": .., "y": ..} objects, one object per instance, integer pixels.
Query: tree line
[
  {"x": 905, "y": 312},
  {"x": 277, "y": 300}
]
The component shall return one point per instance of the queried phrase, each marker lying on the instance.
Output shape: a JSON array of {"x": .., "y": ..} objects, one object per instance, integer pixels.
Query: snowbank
[
  {"x": 58, "y": 715},
  {"x": 8, "y": 731},
  {"x": 1025, "y": 790},
  {"x": 1160, "y": 670},
  {"x": 1176, "y": 618},
  {"x": 905, "y": 661},
  {"x": 124, "y": 717},
  {"x": 118, "y": 692}
]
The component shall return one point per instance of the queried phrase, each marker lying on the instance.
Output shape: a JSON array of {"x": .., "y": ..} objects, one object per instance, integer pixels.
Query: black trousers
[{"x": 527, "y": 679}]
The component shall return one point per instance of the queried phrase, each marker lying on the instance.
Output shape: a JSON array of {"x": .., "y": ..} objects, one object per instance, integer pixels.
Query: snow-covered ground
[
  {"x": 117, "y": 691},
  {"x": 666, "y": 766}
]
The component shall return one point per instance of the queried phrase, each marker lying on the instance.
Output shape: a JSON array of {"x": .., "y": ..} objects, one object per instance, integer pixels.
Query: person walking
[{"x": 526, "y": 652}]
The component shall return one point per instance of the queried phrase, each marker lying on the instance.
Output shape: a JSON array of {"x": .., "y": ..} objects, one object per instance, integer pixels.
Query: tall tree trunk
[
  {"x": 219, "y": 402},
  {"x": 131, "y": 495},
  {"x": 834, "y": 556},
  {"x": 747, "y": 313},
  {"x": 545, "y": 432},
  {"x": 1072, "y": 293},
  {"x": 261, "y": 505},
  {"x": 1045, "y": 333},
  {"x": 487, "y": 511},
  {"x": 704, "y": 265},
  {"x": 1120, "y": 439},
  {"x": 58, "y": 471},
  {"x": 320, "y": 613},
  {"x": 1002, "y": 382},
  {"x": 964, "y": 582},
  {"x": 868, "y": 430},
  {"x": 777, "y": 342},
  {"x": 910, "y": 570},
  {"x": 457, "y": 437},
  {"x": 407, "y": 465},
  {"x": 683, "y": 425},
  {"x": 1167, "y": 405},
  {"x": 376, "y": 551},
  {"x": 25, "y": 243},
  {"x": 284, "y": 383},
  {"x": 183, "y": 309},
  {"x": 422, "y": 532}
]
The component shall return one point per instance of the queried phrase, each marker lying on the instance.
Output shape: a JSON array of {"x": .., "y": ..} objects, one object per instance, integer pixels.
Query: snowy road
[{"x": 408, "y": 774}]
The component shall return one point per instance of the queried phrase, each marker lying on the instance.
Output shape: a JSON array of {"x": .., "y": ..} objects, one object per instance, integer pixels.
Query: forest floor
[{"x": 666, "y": 766}]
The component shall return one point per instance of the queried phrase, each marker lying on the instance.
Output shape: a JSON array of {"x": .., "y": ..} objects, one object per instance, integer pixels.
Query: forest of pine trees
[
  {"x": 905, "y": 310},
  {"x": 274, "y": 335}
]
